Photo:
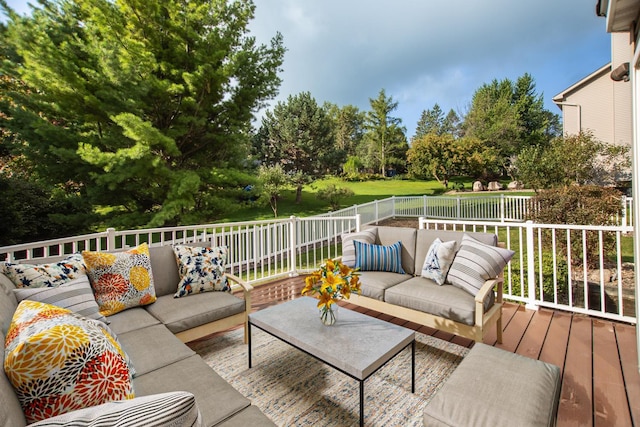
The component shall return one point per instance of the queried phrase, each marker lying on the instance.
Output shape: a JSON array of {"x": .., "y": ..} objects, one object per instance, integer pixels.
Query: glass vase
[{"x": 328, "y": 316}]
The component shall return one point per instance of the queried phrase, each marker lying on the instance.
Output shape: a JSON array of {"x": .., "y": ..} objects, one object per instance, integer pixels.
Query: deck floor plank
[
  {"x": 609, "y": 399},
  {"x": 535, "y": 334},
  {"x": 626, "y": 337},
  {"x": 515, "y": 329},
  {"x": 554, "y": 348},
  {"x": 576, "y": 398}
]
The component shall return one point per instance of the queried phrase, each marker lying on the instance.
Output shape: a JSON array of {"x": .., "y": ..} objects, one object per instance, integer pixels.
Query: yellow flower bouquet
[{"x": 333, "y": 281}]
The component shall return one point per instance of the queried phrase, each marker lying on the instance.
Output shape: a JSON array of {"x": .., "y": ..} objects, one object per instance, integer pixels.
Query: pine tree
[{"x": 145, "y": 106}]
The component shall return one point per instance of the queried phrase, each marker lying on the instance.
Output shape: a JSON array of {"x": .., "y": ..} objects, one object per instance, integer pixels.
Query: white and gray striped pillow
[
  {"x": 176, "y": 408},
  {"x": 76, "y": 295},
  {"x": 348, "y": 248},
  {"x": 475, "y": 263}
]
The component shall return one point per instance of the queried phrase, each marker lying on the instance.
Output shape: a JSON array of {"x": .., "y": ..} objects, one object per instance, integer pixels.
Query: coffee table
[{"x": 356, "y": 345}]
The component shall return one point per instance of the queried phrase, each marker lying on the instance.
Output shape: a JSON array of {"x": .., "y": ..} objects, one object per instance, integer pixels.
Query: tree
[
  {"x": 272, "y": 180},
  {"x": 348, "y": 125},
  {"x": 145, "y": 106},
  {"x": 298, "y": 135},
  {"x": 572, "y": 160},
  {"x": 387, "y": 143},
  {"x": 334, "y": 195}
]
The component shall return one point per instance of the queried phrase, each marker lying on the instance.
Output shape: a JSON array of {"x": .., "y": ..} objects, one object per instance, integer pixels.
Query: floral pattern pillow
[
  {"x": 201, "y": 269},
  {"x": 45, "y": 275},
  {"x": 59, "y": 361},
  {"x": 121, "y": 280}
]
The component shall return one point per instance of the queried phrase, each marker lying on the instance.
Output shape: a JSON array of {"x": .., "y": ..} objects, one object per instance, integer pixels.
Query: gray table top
[{"x": 356, "y": 344}]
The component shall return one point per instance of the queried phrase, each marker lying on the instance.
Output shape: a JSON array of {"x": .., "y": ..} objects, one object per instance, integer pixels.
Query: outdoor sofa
[
  {"x": 406, "y": 294},
  {"x": 152, "y": 336}
]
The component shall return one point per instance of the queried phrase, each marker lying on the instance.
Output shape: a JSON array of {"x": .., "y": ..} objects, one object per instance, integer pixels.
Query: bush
[
  {"x": 562, "y": 277},
  {"x": 334, "y": 194},
  {"x": 586, "y": 205}
]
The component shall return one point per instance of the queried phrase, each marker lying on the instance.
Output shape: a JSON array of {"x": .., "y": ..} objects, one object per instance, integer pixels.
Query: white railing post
[
  {"x": 502, "y": 210},
  {"x": 358, "y": 222},
  {"x": 111, "y": 239},
  {"x": 393, "y": 204},
  {"x": 377, "y": 216},
  {"x": 424, "y": 205},
  {"x": 458, "y": 207},
  {"x": 293, "y": 245},
  {"x": 531, "y": 276}
]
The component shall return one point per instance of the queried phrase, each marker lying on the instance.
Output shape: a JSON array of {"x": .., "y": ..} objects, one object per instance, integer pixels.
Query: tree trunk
[{"x": 299, "y": 194}]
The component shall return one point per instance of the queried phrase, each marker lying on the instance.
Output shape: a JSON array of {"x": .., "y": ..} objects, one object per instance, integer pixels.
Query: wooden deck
[{"x": 598, "y": 358}]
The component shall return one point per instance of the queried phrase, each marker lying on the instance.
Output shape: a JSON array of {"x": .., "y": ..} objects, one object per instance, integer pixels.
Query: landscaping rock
[
  {"x": 495, "y": 186},
  {"x": 477, "y": 186},
  {"x": 515, "y": 185}
]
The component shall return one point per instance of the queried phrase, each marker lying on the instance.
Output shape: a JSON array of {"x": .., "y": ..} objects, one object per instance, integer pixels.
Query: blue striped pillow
[{"x": 379, "y": 258}]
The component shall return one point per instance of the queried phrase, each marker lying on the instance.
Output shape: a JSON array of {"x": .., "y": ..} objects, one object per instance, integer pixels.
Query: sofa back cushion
[
  {"x": 165, "y": 269},
  {"x": 8, "y": 301},
  {"x": 10, "y": 410},
  {"x": 425, "y": 238},
  {"x": 389, "y": 235}
]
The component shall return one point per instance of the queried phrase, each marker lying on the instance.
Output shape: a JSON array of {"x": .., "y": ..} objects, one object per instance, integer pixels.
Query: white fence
[
  {"x": 568, "y": 267},
  {"x": 549, "y": 267}
]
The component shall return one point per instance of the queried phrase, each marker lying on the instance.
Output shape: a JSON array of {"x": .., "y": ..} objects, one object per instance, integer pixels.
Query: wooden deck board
[
  {"x": 575, "y": 407},
  {"x": 609, "y": 399},
  {"x": 597, "y": 357}
]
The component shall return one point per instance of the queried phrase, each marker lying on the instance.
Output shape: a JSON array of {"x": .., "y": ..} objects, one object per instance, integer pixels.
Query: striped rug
[{"x": 294, "y": 389}]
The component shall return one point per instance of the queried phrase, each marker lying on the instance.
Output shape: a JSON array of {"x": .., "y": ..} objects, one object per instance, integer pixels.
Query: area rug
[{"x": 294, "y": 389}]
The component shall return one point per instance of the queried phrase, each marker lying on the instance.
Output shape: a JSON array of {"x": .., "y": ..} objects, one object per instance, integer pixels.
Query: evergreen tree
[
  {"x": 387, "y": 143},
  {"x": 298, "y": 135},
  {"x": 348, "y": 124},
  {"x": 144, "y": 106}
]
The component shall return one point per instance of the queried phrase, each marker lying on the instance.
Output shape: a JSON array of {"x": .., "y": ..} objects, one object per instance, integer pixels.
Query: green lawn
[{"x": 364, "y": 192}]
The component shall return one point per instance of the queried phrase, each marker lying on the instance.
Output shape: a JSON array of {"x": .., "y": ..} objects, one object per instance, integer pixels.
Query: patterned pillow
[
  {"x": 438, "y": 260},
  {"x": 475, "y": 263},
  {"x": 121, "y": 280},
  {"x": 349, "y": 249},
  {"x": 176, "y": 408},
  {"x": 201, "y": 269},
  {"x": 59, "y": 361},
  {"x": 378, "y": 257},
  {"x": 45, "y": 275},
  {"x": 75, "y": 295}
]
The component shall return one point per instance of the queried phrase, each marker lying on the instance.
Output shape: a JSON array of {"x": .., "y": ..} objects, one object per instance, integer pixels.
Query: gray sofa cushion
[
  {"x": 445, "y": 301},
  {"x": 165, "y": 270},
  {"x": 424, "y": 239},
  {"x": 374, "y": 283},
  {"x": 180, "y": 314},
  {"x": 493, "y": 387},
  {"x": 216, "y": 399},
  {"x": 11, "y": 413},
  {"x": 8, "y": 302},
  {"x": 388, "y": 235},
  {"x": 130, "y": 320},
  {"x": 250, "y": 416},
  {"x": 152, "y": 348}
]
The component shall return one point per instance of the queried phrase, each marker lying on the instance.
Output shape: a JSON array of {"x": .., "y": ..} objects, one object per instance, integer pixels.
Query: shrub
[
  {"x": 334, "y": 194},
  {"x": 586, "y": 205},
  {"x": 562, "y": 277}
]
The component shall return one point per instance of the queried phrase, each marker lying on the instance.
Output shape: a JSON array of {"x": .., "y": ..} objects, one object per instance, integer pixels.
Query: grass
[{"x": 364, "y": 192}]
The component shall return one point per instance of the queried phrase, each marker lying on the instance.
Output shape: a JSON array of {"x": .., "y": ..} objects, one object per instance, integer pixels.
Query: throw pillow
[
  {"x": 475, "y": 263},
  {"x": 75, "y": 295},
  {"x": 201, "y": 269},
  {"x": 177, "y": 408},
  {"x": 121, "y": 280},
  {"x": 348, "y": 248},
  {"x": 45, "y": 275},
  {"x": 59, "y": 361},
  {"x": 438, "y": 260},
  {"x": 378, "y": 257}
]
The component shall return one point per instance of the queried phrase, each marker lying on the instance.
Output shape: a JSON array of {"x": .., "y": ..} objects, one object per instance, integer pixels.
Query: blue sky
[{"x": 424, "y": 52}]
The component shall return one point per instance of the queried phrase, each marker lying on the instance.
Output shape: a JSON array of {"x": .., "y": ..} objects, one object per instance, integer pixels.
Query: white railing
[
  {"x": 503, "y": 208},
  {"x": 568, "y": 267},
  {"x": 541, "y": 273}
]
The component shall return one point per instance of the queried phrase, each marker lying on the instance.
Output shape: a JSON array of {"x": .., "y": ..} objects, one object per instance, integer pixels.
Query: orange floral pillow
[
  {"x": 59, "y": 361},
  {"x": 120, "y": 280}
]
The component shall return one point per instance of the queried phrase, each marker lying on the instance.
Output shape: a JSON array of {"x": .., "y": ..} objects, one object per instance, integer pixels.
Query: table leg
[
  {"x": 362, "y": 403},
  {"x": 249, "y": 342},
  {"x": 413, "y": 366}
]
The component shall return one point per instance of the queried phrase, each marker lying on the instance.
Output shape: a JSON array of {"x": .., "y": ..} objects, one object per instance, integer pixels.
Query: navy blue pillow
[{"x": 379, "y": 258}]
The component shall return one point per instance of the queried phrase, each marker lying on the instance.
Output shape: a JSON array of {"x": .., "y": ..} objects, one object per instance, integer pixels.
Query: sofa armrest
[
  {"x": 488, "y": 287},
  {"x": 244, "y": 285}
]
